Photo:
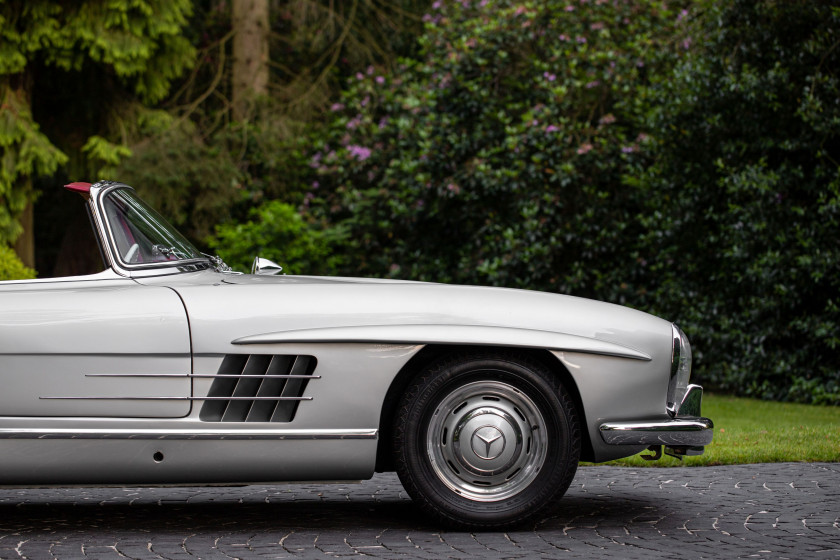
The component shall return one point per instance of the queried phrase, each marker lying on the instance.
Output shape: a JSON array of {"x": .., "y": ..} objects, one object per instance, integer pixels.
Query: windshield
[{"x": 141, "y": 235}]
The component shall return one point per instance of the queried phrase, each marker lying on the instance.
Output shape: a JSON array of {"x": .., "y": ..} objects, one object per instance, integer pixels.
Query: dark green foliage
[
  {"x": 685, "y": 163},
  {"x": 744, "y": 221},
  {"x": 69, "y": 73},
  {"x": 10, "y": 266},
  {"x": 204, "y": 166},
  {"x": 191, "y": 182}
]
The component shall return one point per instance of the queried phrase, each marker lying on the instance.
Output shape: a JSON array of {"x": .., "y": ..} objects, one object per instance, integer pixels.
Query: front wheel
[{"x": 486, "y": 440}]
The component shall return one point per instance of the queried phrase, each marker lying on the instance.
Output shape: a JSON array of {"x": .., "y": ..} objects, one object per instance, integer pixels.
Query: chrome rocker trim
[{"x": 688, "y": 430}]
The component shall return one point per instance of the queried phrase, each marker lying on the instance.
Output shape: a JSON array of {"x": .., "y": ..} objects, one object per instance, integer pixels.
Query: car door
[{"x": 99, "y": 346}]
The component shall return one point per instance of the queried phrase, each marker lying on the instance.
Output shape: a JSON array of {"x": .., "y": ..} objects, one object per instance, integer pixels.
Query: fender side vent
[{"x": 258, "y": 388}]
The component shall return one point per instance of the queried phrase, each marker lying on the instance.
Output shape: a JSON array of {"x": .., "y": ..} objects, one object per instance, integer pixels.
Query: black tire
[{"x": 465, "y": 444}]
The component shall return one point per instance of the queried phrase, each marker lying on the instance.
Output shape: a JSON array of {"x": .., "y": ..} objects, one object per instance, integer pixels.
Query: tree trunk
[
  {"x": 25, "y": 244},
  {"x": 250, "y": 54}
]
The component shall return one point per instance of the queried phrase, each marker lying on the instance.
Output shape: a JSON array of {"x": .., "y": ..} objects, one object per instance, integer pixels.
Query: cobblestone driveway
[{"x": 761, "y": 511}]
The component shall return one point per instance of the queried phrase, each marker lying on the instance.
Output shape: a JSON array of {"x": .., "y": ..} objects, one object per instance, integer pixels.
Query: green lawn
[{"x": 753, "y": 431}]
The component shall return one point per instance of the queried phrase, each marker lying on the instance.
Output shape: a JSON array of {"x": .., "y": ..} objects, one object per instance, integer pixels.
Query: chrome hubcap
[{"x": 486, "y": 441}]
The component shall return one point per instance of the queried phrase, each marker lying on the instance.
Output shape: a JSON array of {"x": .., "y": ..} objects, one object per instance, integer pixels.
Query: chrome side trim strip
[
  {"x": 185, "y": 434},
  {"x": 201, "y": 376},
  {"x": 177, "y": 398}
]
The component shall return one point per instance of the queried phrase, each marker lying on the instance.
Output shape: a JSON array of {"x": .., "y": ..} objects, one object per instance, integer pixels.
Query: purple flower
[
  {"x": 552, "y": 128},
  {"x": 436, "y": 5},
  {"x": 584, "y": 148},
  {"x": 359, "y": 152},
  {"x": 570, "y": 8},
  {"x": 549, "y": 77},
  {"x": 336, "y": 107},
  {"x": 380, "y": 80},
  {"x": 580, "y": 39},
  {"x": 628, "y": 149},
  {"x": 609, "y": 118},
  {"x": 592, "y": 84},
  {"x": 360, "y": 76},
  {"x": 315, "y": 184},
  {"x": 563, "y": 37},
  {"x": 596, "y": 26}
]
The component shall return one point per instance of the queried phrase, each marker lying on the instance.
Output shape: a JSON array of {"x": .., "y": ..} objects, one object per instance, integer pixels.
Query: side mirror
[{"x": 265, "y": 267}]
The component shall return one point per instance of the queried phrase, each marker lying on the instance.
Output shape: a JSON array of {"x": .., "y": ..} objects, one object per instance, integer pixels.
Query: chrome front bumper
[{"x": 685, "y": 434}]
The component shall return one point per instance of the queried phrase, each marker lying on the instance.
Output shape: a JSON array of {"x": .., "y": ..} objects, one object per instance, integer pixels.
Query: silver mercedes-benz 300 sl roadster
[{"x": 168, "y": 368}]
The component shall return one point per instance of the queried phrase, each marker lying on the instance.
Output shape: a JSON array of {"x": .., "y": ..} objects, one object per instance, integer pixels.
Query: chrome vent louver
[{"x": 258, "y": 388}]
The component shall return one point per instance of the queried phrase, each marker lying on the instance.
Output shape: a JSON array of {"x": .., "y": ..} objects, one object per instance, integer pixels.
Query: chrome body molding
[
  {"x": 204, "y": 376},
  {"x": 689, "y": 430},
  {"x": 680, "y": 371},
  {"x": 185, "y": 434},
  {"x": 170, "y": 398}
]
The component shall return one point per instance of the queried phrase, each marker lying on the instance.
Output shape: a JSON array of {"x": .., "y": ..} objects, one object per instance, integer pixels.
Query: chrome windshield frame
[{"x": 98, "y": 192}]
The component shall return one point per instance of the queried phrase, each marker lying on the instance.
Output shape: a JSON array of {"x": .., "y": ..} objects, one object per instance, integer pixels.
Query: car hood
[{"x": 238, "y": 310}]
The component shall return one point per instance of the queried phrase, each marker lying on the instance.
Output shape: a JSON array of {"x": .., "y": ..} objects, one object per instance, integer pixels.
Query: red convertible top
[{"x": 83, "y": 188}]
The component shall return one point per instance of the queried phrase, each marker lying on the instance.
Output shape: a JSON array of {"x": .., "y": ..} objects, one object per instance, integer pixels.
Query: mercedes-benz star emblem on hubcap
[{"x": 488, "y": 442}]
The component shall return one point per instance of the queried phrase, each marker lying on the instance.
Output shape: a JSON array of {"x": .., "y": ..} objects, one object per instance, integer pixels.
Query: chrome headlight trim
[{"x": 680, "y": 370}]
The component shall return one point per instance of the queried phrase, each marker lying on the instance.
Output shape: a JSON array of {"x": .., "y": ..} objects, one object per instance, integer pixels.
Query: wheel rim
[{"x": 486, "y": 441}]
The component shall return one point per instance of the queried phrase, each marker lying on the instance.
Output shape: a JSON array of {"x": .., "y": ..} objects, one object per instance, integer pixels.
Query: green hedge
[
  {"x": 748, "y": 160},
  {"x": 11, "y": 267},
  {"x": 278, "y": 232}
]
